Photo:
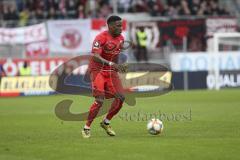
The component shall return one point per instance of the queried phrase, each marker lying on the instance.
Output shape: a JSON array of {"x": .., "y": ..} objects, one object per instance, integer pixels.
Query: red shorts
[{"x": 106, "y": 83}]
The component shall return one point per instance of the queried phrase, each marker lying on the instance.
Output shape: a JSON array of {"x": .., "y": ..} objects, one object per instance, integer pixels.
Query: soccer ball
[{"x": 155, "y": 126}]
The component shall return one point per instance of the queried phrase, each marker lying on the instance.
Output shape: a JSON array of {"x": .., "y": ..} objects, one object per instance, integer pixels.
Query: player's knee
[
  {"x": 99, "y": 100},
  {"x": 121, "y": 97}
]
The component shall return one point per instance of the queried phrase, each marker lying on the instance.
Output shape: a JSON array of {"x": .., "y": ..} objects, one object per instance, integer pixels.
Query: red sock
[
  {"x": 93, "y": 113},
  {"x": 115, "y": 108}
]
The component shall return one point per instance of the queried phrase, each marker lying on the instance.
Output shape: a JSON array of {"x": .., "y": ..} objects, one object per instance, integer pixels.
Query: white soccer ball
[{"x": 155, "y": 126}]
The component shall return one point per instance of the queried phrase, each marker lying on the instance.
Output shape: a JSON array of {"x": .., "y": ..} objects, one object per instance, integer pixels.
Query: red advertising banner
[
  {"x": 175, "y": 30},
  {"x": 38, "y": 66},
  {"x": 43, "y": 66},
  {"x": 37, "y": 49}
]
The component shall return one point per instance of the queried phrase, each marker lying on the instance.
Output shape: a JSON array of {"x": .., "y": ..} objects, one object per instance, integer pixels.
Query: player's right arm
[{"x": 97, "y": 51}]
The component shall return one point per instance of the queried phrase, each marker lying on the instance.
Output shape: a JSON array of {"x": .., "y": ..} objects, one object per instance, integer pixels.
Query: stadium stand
[{"x": 26, "y": 12}]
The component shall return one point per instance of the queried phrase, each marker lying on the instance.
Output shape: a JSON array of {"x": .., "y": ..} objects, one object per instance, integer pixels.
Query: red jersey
[{"x": 107, "y": 47}]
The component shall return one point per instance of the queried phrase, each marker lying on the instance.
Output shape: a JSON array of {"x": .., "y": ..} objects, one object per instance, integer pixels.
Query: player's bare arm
[{"x": 119, "y": 67}]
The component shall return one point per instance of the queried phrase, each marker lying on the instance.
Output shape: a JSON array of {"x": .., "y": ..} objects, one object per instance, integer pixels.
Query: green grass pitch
[{"x": 197, "y": 125}]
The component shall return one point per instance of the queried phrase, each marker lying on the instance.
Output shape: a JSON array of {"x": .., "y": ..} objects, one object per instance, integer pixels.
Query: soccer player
[{"x": 103, "y": 69}]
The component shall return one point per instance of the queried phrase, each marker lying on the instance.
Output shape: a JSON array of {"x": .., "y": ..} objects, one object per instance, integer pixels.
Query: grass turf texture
[{"x": 29, "y": 129}]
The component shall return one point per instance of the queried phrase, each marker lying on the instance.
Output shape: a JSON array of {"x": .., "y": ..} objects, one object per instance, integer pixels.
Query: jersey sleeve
[{"x": 97, "y": 47}]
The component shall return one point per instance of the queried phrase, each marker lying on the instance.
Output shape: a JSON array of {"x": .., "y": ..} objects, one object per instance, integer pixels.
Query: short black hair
[{"x": 113, "y": 18}]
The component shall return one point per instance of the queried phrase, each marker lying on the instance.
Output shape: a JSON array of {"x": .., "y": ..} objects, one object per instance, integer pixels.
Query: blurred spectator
[
  {"x": 211, "y": 7},
  {"x": 62, "y": 9},
  {"x": 5, "y": 12},
  {"x": 10, "y": 14},
  {"x": 1, "y": 12},
  {"x": 13, "y": 15},
  {"x": 184, "y": 9},
  {"x": 52, "y": 4},
  {"x": 124, "y": 5},
  {"x": 156, "y": 8},
  {"x": 24, "y": 17},
  {"x": 71, "y": 9},
  {"x": 29, "y": 4},
  {"x": 25, "y": 70},
  {"x": 20, "y": 5},
  {"x": 81, "y": 13},
  {"x": 103, "y": 2},
  {"x": 174, "y": 3},
  {"x": 194, "y": 6},
  {"x": 104, "y": 11},
  {"x": 141, "y": 52},
  {"x": 140, "y": 6},
  {"x": 39, "y": 14},
  {"x": 52, "y": 13},
  {"x": 171, "y": 11},
  {"x": 203, "y": 9}
]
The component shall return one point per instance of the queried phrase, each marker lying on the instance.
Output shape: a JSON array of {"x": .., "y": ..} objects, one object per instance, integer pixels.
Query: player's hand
[
  {"x": 117, "y": 66},
  {"x": 122, "y": 68}
]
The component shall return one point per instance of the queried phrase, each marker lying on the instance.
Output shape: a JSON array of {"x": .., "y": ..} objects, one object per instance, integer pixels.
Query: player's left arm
[
  {"x": 98, "y": 58},
  {"x": 119, "y": 67}
]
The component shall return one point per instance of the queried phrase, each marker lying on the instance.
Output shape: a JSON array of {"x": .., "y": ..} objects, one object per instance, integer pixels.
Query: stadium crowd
[
  {"x": 173, "y": 7},
  {"x": 24, "y": 11}
]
